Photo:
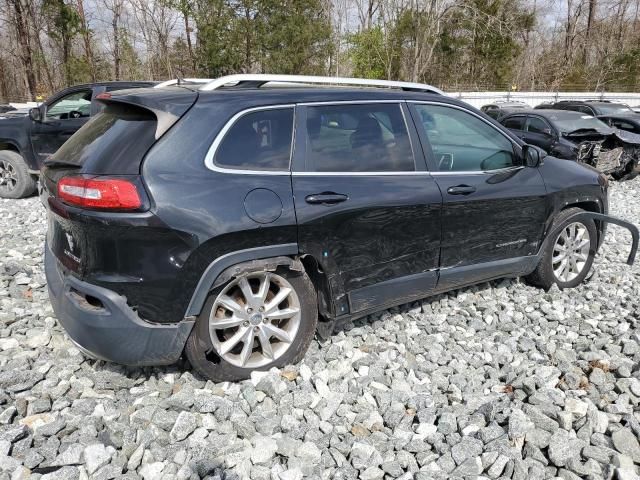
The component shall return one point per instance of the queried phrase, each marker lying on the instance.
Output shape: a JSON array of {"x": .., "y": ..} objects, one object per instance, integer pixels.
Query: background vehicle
[
  {"x": 220, "y": 232},
  {"x": 594, "y": 108},
  {"x": 576, "y": 136},
  {"x": 6, "y": 108},
  {"x": 503, "y": 107},
  {"x": 25, "y": 140}
]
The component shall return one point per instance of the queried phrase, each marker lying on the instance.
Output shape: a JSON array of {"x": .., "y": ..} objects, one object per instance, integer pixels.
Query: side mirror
[
  {"x": 532, "y": 156},
  {"x": 36, "y": 114}
]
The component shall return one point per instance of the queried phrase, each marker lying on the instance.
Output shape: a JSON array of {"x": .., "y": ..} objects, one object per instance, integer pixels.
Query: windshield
[
  {"x": 571, "y": 124},
  {"x": 614, "y": 108},
  {"x": 120, "y": 136}
]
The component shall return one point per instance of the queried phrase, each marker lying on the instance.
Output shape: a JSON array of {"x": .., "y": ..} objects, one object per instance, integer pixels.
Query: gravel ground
[{"x": 497, "y": 381}]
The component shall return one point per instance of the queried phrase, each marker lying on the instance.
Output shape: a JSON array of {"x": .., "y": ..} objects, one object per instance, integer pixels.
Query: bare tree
[{"x": 20, "y": 22}]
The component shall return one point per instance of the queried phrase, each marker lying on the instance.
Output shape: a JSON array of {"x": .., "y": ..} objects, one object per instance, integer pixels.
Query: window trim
[
  {"x": 211, "y": 153},
  {"x": 514, "y": 144},
  {"x": 408, "y": 126}
]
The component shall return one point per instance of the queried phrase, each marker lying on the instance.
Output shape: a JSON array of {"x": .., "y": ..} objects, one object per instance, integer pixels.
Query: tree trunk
[
  {"x": 115, "y": 24},
  {"x": 26, "y": 54},
  {"x": 187, "y": 30},
  {"x": 87, "y": 41},
  {"x": 588, "y": 33}
]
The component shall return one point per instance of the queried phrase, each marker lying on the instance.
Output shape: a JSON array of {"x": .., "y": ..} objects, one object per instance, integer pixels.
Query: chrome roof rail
[
  {"x": 178, "y": 81},
  {"x": 257, "y": 80}
]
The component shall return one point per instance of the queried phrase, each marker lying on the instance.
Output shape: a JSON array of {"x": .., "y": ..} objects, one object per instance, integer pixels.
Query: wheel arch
[
  {"x": 589, "y": 206},
  {"x": 11, "y": 146},
  {"x": 234, "y": 263}
]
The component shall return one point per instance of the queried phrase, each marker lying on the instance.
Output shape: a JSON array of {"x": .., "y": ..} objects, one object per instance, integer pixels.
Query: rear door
[
  {"x": 494, "y": 209},
  {"x": 366, "y": 206}
]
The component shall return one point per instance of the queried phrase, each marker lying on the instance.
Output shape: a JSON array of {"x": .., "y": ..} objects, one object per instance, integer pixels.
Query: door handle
[
  {"x": 461, "y": 190},
  {"x": 326, "y": 198}
]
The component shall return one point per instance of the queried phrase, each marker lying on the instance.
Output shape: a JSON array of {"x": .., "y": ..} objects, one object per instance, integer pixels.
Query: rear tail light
[{"x": 100, "y": 193}]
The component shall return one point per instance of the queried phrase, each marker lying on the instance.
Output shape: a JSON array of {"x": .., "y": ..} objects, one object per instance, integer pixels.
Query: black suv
[
  {"x": 594, "y": 108},
  {"x": 26, "y": 140},
  {"x": 223, "y": 221}
]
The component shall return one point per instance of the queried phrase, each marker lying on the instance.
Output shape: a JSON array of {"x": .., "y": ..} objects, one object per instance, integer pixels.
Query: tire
[
  {"x": 544, "y": 275},
  {"x": 15, "y": 180},
  {"x": 205, "y": 350}
]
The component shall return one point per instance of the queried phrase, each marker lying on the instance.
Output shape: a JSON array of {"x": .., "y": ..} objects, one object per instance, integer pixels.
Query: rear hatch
[{"x": 93, "y": 180}]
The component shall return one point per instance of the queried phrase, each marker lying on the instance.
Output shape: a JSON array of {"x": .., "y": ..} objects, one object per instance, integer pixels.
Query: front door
[
  {"x": 64, "y": 117},
  {"x": 494, "y": 208},
  {"x": 538, "y": 132},
  {"x": 366, "y": 207}
]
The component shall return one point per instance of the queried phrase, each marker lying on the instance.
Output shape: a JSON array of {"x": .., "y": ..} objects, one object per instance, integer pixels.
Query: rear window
[{"x": 113, "y": 142}]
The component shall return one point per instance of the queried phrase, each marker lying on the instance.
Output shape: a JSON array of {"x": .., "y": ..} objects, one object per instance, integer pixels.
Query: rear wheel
[
  {"x": 568, "y": 257},
  {"x": 15, "y": 180},
  {"x": 256, "y": 321}
]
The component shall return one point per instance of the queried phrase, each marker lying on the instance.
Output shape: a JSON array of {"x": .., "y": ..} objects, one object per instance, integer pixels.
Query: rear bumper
[{"x": 101, "y": 324}]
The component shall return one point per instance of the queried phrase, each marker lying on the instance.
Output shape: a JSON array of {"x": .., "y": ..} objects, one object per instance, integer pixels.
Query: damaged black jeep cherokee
[{"x": 232, "y": 221}]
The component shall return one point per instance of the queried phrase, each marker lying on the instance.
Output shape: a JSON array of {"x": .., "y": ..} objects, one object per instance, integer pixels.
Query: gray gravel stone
[
  {"x": 562, "y": 448},
  {"x": 73, "y": 455},
  {"x": 185, "y": 424},
  {"x": 626, "y": 443},
  {"x": 96, "y": 456},
  {"x": 468, "y": 448},
  {"x": 64, "y": 473}
]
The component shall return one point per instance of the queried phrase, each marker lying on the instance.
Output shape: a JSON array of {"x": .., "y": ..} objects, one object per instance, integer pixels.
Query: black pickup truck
[{"x": 26, "y": 140}]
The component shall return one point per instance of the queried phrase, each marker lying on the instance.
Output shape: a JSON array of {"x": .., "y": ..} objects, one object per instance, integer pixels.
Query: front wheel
[
  {"x": 568, "y": 257},
  {"x": 256, "y": 321},
  {"x": 15, "y": 180}
]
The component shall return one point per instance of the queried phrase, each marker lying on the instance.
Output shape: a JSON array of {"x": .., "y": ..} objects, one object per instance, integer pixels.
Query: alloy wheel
[
  {"x": 571, "y": 252},
  {"x": 254, "y": 319},
  {"x": 8, "y": 176}
]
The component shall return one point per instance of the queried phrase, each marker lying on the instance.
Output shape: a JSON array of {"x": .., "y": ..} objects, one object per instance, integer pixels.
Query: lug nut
[
  {"x": 245, "y": 324},
  {"x": 255, "y": 329},
  {"x": 249, "y": 309},
  {"x": 265, "y": 320},
  {"x": 261, "y": 309}
]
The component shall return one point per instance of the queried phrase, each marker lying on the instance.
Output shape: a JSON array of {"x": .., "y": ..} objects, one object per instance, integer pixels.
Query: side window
[
  {"x": 358, "y": 138},
  {"x": 537, "y": 125},
  {"x": 461, "y": 141},
  {"x": 74, "y": 105},
  {"x": 515, "y": 123},
  {"x": 259, "y": 140}
]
